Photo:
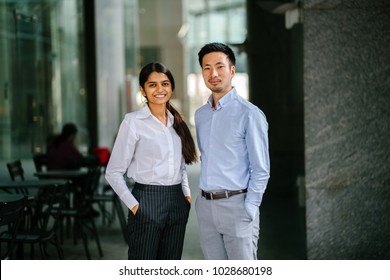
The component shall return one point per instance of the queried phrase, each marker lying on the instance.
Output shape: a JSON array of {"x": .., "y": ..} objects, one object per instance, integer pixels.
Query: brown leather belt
[{"x": 219, "y": 195}]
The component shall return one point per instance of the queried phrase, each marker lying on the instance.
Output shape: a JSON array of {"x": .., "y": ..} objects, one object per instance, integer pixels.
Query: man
[{"x": 232, "y": 137}]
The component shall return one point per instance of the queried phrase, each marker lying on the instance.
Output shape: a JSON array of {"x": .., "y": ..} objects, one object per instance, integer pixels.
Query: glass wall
[
  {"x": 213, "y": 21},
  {"x": 41, "y": 74}
]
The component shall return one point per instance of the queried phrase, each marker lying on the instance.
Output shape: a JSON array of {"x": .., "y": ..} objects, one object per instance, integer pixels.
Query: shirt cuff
[
  {"x": 251, "y": 210},
  {"x": 129, "y": 200}
]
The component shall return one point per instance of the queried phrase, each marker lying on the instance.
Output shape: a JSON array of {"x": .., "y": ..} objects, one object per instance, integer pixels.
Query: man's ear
[{"x": 233, "y": 70}]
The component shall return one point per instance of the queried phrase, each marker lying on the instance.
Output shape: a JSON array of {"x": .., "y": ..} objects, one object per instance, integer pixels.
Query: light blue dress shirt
[{"x": 233, "y": 142}]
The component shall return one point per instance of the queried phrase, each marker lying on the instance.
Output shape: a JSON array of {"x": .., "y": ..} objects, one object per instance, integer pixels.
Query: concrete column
[{"x": 347, "y": 128}]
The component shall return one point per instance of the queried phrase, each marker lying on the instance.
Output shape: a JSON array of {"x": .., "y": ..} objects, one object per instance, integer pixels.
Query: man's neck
[{"x": 217, "y": 96}]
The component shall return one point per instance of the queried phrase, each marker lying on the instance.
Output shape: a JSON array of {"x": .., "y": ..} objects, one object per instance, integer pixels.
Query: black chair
[
  {"x": 43, "y": 229},
  {"x": 11, "y": 213},
  {"x": 40, "y": 162},
  {"x": 80, "y": 210},
  {"x": 15, "y": 170},
  {"x": 106, "y": 195}
]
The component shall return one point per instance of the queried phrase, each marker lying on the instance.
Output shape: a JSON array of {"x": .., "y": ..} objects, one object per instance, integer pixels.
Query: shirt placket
[
  {"x": 170, "y": 147},
  {"x": 211, "y": 146}
]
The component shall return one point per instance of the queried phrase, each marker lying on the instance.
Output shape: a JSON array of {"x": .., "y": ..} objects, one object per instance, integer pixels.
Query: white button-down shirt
[{"x": 148, "y": 152}]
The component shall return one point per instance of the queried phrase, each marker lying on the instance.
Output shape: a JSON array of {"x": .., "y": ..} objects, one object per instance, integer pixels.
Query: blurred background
[{"x": 319, "y": 69}]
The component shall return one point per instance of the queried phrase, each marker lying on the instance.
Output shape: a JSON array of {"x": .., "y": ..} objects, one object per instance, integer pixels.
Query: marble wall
[{"x": 347, "y": 128}]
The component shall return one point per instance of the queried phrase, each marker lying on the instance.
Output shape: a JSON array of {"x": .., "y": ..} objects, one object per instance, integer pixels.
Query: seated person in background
[{"x": 62, "y": 152}]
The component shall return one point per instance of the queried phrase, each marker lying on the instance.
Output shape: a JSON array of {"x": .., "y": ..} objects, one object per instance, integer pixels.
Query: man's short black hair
[{"x": 217, "y": 47}]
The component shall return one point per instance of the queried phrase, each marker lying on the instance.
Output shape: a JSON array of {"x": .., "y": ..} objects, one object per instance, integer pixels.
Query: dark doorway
[{"x": 275, "y": 65}]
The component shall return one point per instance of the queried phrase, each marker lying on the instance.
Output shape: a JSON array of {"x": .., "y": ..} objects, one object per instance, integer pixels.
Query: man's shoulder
[
  {"x": 246, "y": 105},
  {"x": 248, "y": 109},
  {"x": 202, "y": 108}
]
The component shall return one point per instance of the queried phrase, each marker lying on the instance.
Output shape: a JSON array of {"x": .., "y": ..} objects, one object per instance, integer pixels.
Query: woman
[{"x": 152, "y": 147}]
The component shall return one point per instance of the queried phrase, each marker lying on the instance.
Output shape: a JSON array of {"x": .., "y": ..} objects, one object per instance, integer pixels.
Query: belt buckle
[
  {"x": 227, "y": 194},
  {"x": 211, "y": 196}
]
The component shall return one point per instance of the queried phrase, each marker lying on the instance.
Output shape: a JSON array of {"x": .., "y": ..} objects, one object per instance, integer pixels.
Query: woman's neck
[{"x": 159, "y": 111}]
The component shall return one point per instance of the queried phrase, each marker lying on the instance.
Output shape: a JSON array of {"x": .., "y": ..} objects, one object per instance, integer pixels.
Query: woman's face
[{"x": 157, "y": 89}]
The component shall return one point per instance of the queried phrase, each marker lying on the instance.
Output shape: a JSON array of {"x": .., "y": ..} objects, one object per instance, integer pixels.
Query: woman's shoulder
[{"x": 138, "y": 114}]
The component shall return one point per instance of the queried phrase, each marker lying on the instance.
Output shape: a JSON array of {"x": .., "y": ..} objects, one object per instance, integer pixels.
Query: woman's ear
[{"x": 142, "y": 91}]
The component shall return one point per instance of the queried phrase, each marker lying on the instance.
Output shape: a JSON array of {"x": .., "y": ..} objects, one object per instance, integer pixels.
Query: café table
[
  {"x": 62, "y": 174},
  {"x": 29, "y": 187},
  {"x": 7, "y": 197},
  {"x": 33, "y": 187},
  {"x": 30, "y": 184},
  {"x": 78, "y": 181}
]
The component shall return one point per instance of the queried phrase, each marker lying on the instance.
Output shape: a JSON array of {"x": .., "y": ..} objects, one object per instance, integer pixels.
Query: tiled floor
[{"x": 282, "y": 232}]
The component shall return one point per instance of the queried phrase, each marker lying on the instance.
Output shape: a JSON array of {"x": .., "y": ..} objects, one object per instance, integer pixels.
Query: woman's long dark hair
[{"x": 181, "y": 128}]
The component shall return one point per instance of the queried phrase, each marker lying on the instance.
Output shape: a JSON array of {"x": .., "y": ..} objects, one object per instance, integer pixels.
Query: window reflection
[{"x": 42, "y": 81}]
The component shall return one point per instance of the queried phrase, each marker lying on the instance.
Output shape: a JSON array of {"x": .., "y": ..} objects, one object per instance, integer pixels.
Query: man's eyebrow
[{"x": 218, "y": 63}]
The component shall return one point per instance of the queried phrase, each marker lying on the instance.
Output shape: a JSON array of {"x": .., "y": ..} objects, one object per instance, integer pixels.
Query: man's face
[{"x": 217, "y": 72}]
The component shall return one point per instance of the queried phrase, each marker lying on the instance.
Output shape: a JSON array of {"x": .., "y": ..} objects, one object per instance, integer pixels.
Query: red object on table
[{"x": 103, "y": 154}]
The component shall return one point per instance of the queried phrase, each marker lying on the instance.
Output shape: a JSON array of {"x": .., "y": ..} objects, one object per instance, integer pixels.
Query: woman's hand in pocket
[{"x": 135, "y": 209}]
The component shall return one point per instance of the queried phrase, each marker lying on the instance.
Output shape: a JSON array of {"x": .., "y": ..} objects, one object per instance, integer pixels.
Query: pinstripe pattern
[{"x": 157, "y": 230}]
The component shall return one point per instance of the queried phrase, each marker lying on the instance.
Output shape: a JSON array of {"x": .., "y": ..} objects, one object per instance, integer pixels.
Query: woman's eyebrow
[{"x": 154, "y": 82}]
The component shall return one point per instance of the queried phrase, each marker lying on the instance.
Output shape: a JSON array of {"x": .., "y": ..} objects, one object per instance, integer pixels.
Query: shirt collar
[
  {"x": 145, "y": 113},
  {"x": 231, "y": 95}
]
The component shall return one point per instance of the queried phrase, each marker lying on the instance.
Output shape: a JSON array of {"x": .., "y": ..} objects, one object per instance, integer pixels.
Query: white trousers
[{"x": 226, "y": 230}]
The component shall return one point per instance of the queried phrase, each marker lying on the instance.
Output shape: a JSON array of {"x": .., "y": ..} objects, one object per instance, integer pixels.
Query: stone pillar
[{"x": 347, "y": 128}]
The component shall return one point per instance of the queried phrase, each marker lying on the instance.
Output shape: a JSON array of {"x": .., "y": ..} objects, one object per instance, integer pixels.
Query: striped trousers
[{"x": 156, "y": 231}]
